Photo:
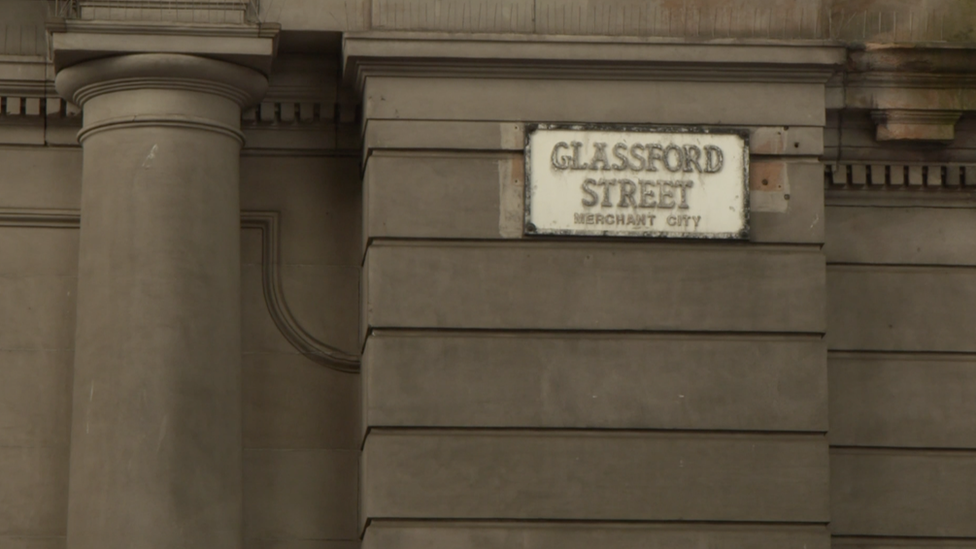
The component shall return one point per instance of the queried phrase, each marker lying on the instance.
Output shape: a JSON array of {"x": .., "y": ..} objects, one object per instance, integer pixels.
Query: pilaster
[{"x": 587, "y": 392}]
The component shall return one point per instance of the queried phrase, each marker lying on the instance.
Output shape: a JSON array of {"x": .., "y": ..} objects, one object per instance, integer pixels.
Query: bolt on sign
[{"x": 653, "y": 182}]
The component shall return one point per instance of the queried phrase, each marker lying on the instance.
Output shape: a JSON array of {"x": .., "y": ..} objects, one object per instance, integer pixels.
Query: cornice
[
  {"x": 506, "y": 56},
  {"x": 274, "y": 297}
]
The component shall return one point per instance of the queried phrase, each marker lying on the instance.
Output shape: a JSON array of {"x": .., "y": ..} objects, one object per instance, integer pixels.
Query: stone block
[
  {"x": 385, "y": 534},
  {"x": 32, "y": 542},
  {"x": 38, "y": 312},
  {"x": 638, "y": 286},
  {"x": 481, "y": 196},
  {"x": 599, "y": 476},
  {"x": 35, "y": 398},
  {"x": 292, "y": 402},
  {"x": 612, "y": 381},
  {"x": 621, "y": 101},
  {"x": 38, "y": 251},
  {"x": 41, "y": 178},
  {"x": 911, "y": 493},
  {"x": 905, "y": 236},
  {"x": 793, "y": 213},
  {"x": 33, "y": 491},
  {"x": 300, "y": 494},
  {"x": 902, "y": 400},
  {"x": 900, "y": 308},
  {"x": 319, "y": 202}
]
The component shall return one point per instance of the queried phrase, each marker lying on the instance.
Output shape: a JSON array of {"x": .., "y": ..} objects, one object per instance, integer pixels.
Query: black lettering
[
  {"x": 620, "y": 153},
  {"x": 606, "y": 184},
  {"x": 579, "y": 218},
  {"x": 692, "y": 154},
  {"x": 665, "y": 196},
  {"x": 599, "y": 219},
  {"x": 576, "y": 156},
  {"x": 713, "y": 159},
  {"x": 646, "y": 193},
  {"x": 683, "y": 190},
  {"x": 627, "y": 191},
  {"x": 621, "y": 219},
  {"x": 600, "y": 156},
  {"x": 654, "y": 152},
  {"x": 560, "y": 162},
  {"x": 640, "y": 159},
  {"x": 680, "y": 160},
  {"x": 591, "y": 196}
]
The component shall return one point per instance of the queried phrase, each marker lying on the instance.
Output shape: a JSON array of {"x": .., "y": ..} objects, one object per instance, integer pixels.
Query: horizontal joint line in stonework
[
  {"x": 897, "y": 354},
  {"x": 604, "y": 522},
  {"x": 36, "y": 349},
  {"x": 299, "y": 538},
  {"x": 601, "y": 430},
  {"x": 905, "y": 449},
  {"x": 300, "y": 449},
  {"x": 860, "y": 538},
  {"x": 934, "y": 206},
  {"x": 584, "y": 332},
  {"x": 711, "y": 244},
  {"x": 901, "y": 265},
  {"x": 63, "y": 446}
]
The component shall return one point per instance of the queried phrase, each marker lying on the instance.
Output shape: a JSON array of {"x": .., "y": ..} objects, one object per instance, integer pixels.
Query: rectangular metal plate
[{"x": 639, "y": 182}]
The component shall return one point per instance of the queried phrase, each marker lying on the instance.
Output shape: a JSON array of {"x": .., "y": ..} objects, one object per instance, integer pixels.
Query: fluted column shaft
[{"x": 156, "y": 427}]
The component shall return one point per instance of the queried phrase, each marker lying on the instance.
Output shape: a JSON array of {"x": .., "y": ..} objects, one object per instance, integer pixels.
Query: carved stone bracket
[
  {"x": 913, "y": 93},
  {"x": 268, "y": 223},
  {"x": 915, "y": 124}
]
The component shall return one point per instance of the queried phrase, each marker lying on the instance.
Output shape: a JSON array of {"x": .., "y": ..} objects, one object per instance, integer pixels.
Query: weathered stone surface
[
  {"x": 622, "y": 101},
  {"x": 510, "y": 136},
  {"x": 902, "y": 400},
  {"x": 300, "y": 544},
  {"x": 35, "y": 398},
  {"x": 300, "y": 494},
  {"x": 292, "y": 402},
  {"x": 323, "y": 298},
  {"x": 571, "y": 475},
  {"x": 34, "y": 178},
  {"x": 481, "y": 196},
  {"x": 902, "y": 493},
  {"x": 905, "y": 236},
  {"x": 38, "y": 312},
  {"x": 32, "y": 542},
  {"x": 882, "y": 308},
  {"x": 595, "y": 381},
  {"x": 603, "y": 286},
  {"x": 33, "y": 491},
  {"x": 387, "y": 534},
  {"x": 319, "y": 202}
]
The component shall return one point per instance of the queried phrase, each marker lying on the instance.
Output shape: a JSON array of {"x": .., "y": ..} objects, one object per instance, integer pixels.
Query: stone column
[{"x": 156, "y": 426}]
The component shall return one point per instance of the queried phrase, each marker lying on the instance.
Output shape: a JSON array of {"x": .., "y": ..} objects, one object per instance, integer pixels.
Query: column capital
[
  {"x": 240, "y": 84},
  {"x": 161, "y": 89}
]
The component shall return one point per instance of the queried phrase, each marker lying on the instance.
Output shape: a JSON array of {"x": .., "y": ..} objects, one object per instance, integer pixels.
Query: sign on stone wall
[{"x": 673, "y": 182}]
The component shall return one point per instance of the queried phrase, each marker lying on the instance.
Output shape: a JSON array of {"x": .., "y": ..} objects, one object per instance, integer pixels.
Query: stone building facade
[{"x": 265, "y": 280}]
